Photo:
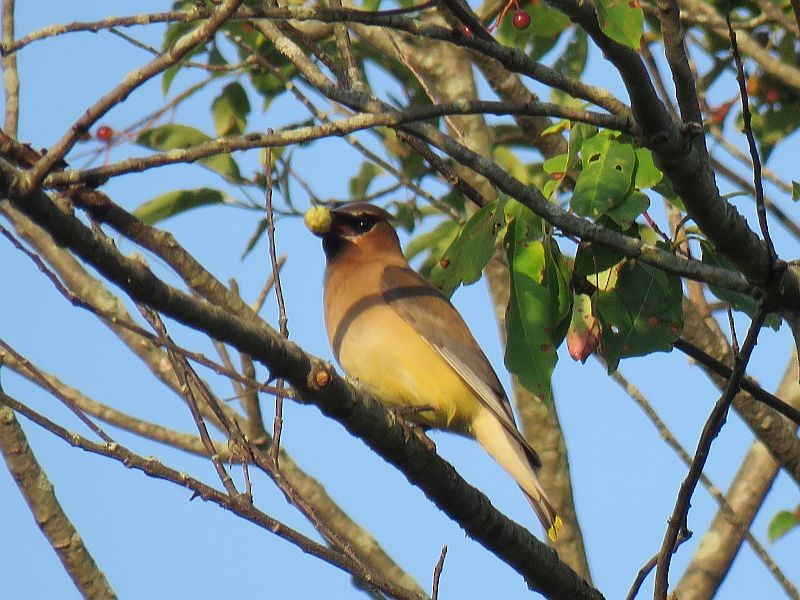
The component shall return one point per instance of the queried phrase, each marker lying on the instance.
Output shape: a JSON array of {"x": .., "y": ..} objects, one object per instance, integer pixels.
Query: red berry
[
  {"x": 104, "y": 133},
  {"x": 521, "y": 20},
  {"x": 771, "y": 95}
]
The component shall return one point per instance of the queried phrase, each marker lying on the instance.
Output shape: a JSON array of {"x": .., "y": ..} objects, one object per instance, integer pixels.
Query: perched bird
[{"x": 405, "y": 343}]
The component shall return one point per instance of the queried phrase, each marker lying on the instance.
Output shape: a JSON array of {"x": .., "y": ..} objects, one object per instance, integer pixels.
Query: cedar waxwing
[{"x": 406, "y": 344}]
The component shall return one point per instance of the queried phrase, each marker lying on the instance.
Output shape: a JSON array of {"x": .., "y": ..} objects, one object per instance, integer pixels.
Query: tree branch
[
  {"x": 38, "y": 492},
  {"x": 713, "y": 426},
  {"x": 316, "y": 383}
]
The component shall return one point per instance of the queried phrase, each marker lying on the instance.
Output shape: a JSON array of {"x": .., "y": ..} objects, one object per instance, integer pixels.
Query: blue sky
[{"x": 152, "y": 542}]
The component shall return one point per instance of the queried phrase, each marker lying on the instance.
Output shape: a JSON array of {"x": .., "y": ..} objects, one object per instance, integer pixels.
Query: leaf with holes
[
  {"x": 464, "y": 260},
  {"x": 606, "y": 178},
  {"x": 640, "y": 312}
]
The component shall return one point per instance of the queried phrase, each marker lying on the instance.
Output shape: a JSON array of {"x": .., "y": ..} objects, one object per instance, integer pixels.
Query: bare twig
[
  {"x": 182, "y": 372},
  {"x": 42, "y": 380},
  {"x": 683, "y": 536},
  {"x": 277, "y": 425},
  {"x": 153, "y": 468},
  {"x": 711, "y": 429},
  {"x": 726, "y": 512},
  {"x": 135, "y": 79},
  {"x": 751, "y": 143},
  {"x": 437, "y": 573}
]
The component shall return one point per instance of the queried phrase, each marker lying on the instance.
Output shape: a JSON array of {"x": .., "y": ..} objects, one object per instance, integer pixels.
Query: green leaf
[
  {"x": 607, "y": 176},
  {"x": 782, "y": 523},
  {"x": 173, "y": 33},
  {"x": 625, "y": 213},
  {"x": 740, "y": 302},
  {"x": 664, "y": 187},
  {"x": 535, "y": 309},
  {"x": 172, "y": 203},
  {"x": 556, "y": 167},
  {"x": 435, "y": 242},
  {"x": 365, "y": 175},
  {"x": 534, "y": 226},
  {"x": 795, "y": 191},
  {"x": 557, "y": 280},
  {"x": 573, "y": 60},
  {"x": 647, "y": 173},
  {"x": 775, "y": 125},
  {"x": 259, "y": 231},
  {"x": 169, "y": 137},
  {"x": 173, "y": 136},
  {"x": 230, "y": 110},
  {"x": 621, "y": 20},
  {"x": 595, "y": 258},
  {"x": 542, "y": 34},
  {"x": 464, "y": 260},
  {"x": 640, "y": 312},
  {"x": 578, "y": 134},
  {"x": 511, "y": 163}
]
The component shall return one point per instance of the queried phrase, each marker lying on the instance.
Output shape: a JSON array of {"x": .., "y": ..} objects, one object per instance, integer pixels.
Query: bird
[{"x": 405, "y": 343}]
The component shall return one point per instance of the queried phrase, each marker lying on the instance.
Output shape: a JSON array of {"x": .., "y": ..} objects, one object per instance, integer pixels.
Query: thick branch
[
  {"x": 38, "y": 492},
  {"x": 316, "y": 383}
]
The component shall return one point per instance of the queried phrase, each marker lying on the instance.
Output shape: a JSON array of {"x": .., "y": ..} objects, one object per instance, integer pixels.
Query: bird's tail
[{"x": 520, "y": 461}]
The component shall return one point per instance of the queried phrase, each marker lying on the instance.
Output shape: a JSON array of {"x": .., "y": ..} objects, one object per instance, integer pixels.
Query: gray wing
[{"x": 439, "y": 324}]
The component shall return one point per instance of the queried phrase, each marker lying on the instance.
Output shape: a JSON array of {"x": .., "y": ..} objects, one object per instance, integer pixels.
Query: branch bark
[{"x": 38, "y": 492}]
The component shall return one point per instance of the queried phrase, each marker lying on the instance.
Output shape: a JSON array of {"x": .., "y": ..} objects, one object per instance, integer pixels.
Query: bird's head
[{"x": 360, "y": 228}]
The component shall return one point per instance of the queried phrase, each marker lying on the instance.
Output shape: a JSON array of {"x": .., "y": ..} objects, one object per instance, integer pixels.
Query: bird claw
[{"x": 411, "y": 429}]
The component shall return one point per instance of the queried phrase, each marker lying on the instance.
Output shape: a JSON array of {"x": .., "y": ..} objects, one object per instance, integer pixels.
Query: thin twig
[
  {"x": 258, "y": 303},
  {"x": 734, "y": 339},
  {"x": 683, "y": 536},
  {"x": 711, "y": 429},
  {"x": 437, "y": 573},
  {"x": 277, "y": 423},
  {"x": 134, "y": 80},
  {"x": 43, "y": 382},
  {"x": 181, "y": 369},
  {"x": 751, "y": 143},
  {"x": 153, "y": 468},
  {"x": 726, "y": 509},
  {"x": 748, "y": 385}
]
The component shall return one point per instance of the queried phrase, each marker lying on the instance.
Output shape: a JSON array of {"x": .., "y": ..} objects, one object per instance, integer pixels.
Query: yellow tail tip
[{"x": 552, "y": 533}]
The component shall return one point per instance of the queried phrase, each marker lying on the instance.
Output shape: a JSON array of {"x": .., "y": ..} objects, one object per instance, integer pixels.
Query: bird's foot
[{"x": 412, "y": 429}]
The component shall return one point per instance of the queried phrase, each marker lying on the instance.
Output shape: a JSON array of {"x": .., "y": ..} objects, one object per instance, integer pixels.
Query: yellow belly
[{"x": 392, "y": 361}]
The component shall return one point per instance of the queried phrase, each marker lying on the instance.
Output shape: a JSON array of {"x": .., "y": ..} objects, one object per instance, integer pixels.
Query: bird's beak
[{"x": 318, "y": 220}]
